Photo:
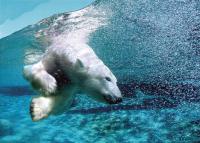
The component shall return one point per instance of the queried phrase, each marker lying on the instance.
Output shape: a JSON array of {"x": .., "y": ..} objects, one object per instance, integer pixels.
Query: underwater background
[{"x": 152, "y": 46}]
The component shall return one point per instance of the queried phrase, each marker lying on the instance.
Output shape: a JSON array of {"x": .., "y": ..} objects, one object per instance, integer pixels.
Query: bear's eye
[{"x": 108, "y": 78}]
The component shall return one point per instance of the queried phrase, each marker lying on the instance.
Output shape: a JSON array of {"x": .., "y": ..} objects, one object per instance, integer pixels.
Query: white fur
[
  {"x": 70, "y": 53},
  {"x": 40, "y": 79},
  {"x": 85, "y": 70},
  {"x": 42, "y": 106},
  {"x": 81, "y": 65}
]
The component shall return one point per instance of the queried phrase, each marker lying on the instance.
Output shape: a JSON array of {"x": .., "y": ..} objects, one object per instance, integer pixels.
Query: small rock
[{"x": 5, "y": 127}]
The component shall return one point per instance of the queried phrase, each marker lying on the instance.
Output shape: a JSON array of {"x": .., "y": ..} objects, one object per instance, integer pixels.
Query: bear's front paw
[
  {"x": 44, "y": 82},
  {"x": 48, "y": 85},
  {"x": 40, "y": 108}
]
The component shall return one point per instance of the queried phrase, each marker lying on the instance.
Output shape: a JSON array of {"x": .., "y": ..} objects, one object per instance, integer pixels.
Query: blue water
[
  {"x": 153, "y": 49},
  {"x": 92, "y": 122}
]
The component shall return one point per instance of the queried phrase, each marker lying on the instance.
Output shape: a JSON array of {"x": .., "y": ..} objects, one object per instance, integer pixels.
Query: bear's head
[{"x": 99, "y": 83}]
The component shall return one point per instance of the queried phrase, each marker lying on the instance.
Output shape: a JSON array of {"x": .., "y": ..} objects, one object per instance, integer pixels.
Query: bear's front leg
[
  {"x": 40, "y": 79},
  {"x": 43, "y": 106}
]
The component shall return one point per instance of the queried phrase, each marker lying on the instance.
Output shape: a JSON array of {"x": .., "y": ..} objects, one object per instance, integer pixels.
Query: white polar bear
[{"x": 64, "y": 70}]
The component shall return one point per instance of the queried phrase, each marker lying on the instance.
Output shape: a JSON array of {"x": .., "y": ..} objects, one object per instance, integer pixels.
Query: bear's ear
[{"x": 79, "y": 65}]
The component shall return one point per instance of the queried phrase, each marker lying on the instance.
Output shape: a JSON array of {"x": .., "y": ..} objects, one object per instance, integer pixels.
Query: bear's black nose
[
  {"x": 112, "y": 100},
  {"x": 118, "y": 100},
  {"x": 115, "y": 101}
]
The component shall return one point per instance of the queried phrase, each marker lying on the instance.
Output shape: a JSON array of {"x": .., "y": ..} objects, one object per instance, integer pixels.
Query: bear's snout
[{"x": 112, "y": 99}]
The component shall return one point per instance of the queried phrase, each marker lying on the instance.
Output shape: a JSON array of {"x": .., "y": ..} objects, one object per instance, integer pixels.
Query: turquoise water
[
  {"x": 89, "y": 121},
  {"x": 153, "y": 49}
]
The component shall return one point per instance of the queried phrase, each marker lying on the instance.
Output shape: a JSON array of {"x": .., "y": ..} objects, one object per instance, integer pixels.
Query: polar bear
[{"x": 65, "y": 70}]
